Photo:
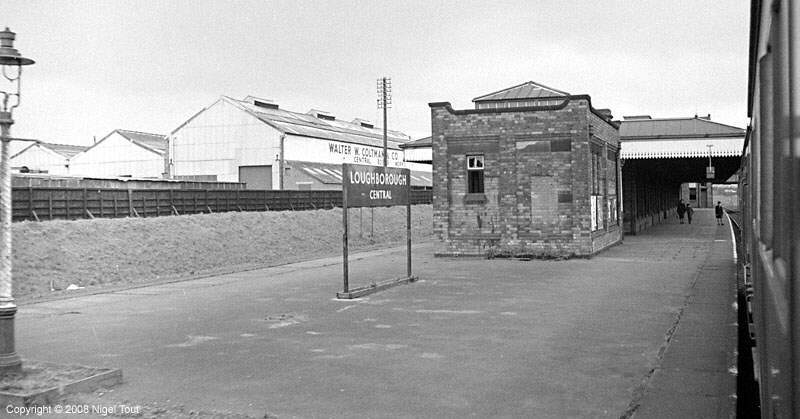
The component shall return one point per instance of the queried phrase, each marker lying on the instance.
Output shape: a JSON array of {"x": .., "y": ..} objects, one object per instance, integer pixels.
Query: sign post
[
  {"x": 344, "y": 238},
  {"x": 374, "y": 186}
]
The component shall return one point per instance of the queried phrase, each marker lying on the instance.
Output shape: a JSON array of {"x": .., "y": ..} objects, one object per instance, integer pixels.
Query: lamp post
[{"x": 9, "y": 59}]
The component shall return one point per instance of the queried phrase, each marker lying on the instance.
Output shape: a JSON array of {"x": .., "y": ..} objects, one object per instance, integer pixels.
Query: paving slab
[{"x": 471, "y": 338}]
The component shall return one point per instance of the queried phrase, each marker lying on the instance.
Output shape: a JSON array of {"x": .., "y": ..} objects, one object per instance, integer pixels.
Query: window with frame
[
  {"x": 475, "y": 173},
  {"x": 692, "y": 191}
]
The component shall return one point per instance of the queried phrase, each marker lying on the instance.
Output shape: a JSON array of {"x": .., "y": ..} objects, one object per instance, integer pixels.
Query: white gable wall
[
  {"x": 41, "y": 158},
  {"x": 117, "y": 156},
  {"x": 219, "y": 140}
]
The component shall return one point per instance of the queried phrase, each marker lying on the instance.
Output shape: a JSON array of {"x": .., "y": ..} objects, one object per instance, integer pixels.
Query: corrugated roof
[
  {"x": 306, "y": 125},
  {"x": 675, "y": 128},
  {"x": 155, "y": 142},
  {"x": 688, "y": 147},
  {"x": 66, "y": 150},
  {"x": 331, "y": 174},
  {"x": 527, "y": 90}
]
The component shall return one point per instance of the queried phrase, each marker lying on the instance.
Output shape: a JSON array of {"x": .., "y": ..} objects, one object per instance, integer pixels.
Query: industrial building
[
  {"x": 256, "y": 142},
  {"x": 123, "y": 153},
  {"x": 43, "y": 157},
  {"x": 530, "y": 171}
]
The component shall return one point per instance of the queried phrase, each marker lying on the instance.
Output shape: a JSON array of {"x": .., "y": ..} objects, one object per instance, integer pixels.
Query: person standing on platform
[
  {"x": 681, "y": 210},
  {"x": 718, "y": 212},
  {"x": 689, "y": 213}
]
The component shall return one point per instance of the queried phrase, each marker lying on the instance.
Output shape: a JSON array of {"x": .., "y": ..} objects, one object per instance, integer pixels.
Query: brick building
[{"x": 530, "y": 171}]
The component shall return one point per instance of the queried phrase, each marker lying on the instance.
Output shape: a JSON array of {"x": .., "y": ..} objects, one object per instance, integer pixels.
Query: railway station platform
[
  {"x": 696, "y": 375},
  {"x": 645, "y": 329}
]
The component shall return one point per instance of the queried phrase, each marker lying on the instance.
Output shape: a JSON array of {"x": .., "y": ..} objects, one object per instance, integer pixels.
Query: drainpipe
[{"x": 281, "y": 162}]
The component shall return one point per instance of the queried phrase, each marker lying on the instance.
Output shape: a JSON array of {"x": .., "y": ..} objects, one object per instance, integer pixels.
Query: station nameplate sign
[{"x": 375, "y": 186}]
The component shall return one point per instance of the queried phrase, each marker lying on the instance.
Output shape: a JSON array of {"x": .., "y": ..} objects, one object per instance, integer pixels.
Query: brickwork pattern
[{"x": 537, "y": 175}]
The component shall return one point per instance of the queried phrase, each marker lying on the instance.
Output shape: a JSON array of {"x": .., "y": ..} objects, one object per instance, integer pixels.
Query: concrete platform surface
[{"x": 643, "y": 329}]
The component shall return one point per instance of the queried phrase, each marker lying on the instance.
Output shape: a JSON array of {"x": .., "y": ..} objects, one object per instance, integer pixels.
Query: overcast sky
[{"x": 150, "y": 65}]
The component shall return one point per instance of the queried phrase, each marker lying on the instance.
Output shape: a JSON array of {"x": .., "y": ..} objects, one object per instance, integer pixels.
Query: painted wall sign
[
  {"x": 375, "y": 186},
  {"x": 304, "y": 149},
  {"x": 361, "y": 154}
]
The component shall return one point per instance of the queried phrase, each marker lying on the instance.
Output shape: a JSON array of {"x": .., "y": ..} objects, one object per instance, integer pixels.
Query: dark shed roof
[
  {"x": 155, "y": 142},
  {"x": 675, "y": 127}
]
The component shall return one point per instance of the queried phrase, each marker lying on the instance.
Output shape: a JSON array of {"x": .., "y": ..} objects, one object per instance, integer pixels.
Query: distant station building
[
  {"x": 256, "y": 142},
  {"x": 530, "y": 171},
  {"x": 123, "y": 153},
  {"x": 667, "y": 159},
  {"x": 43, "y": 157},
  {"x": 418, "y": 151}
]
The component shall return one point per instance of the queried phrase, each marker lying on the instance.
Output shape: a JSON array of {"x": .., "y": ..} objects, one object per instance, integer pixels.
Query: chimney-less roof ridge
[{"x": 686, "y": 118}]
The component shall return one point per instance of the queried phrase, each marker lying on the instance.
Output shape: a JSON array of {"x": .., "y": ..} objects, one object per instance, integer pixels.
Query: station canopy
[
  {"x": 679, "y": 149},
  {"x": 690, "y": 147}
]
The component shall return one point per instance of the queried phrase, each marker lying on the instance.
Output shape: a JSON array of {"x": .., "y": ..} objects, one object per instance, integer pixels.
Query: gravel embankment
[{"x": 101, "y": 252}]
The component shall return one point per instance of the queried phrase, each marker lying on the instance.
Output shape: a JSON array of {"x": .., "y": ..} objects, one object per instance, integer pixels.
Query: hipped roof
[
  {"x": 679, "y": 138},
  {"x": 675, "y": 128},
  {"x": 527, "y": 90}
]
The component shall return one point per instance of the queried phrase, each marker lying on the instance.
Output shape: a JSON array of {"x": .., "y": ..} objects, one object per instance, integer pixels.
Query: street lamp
[{"x": 9, "y": 59}]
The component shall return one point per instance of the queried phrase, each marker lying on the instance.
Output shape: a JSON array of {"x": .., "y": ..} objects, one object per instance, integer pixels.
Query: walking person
[
  {"x": 681, "y": 210},
  {"x": 689, "y": 213},
  {"x": 718, "y": 211}
]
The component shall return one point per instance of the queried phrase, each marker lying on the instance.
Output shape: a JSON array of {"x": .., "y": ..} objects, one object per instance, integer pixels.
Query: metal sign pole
[
  {"x": 372, "y": 186},
  {"x": 408, "y": 235},
  {"x": 344, "y": 236}
]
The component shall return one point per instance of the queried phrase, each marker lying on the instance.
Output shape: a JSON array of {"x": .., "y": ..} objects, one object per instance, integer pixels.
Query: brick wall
[{"x": 537, "y": 176}]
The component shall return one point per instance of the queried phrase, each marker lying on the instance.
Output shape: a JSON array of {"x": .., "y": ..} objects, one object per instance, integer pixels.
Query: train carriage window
[
  {"x": 782, "y": 114},
  {"x": 766, "y": 175}
]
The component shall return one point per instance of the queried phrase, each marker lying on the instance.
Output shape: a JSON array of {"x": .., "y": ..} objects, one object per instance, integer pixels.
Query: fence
[{"x": 38, "y": 204}]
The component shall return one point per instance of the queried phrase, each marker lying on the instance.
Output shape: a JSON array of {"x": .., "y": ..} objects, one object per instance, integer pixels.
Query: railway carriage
[{"x": 770, "y": 202}]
